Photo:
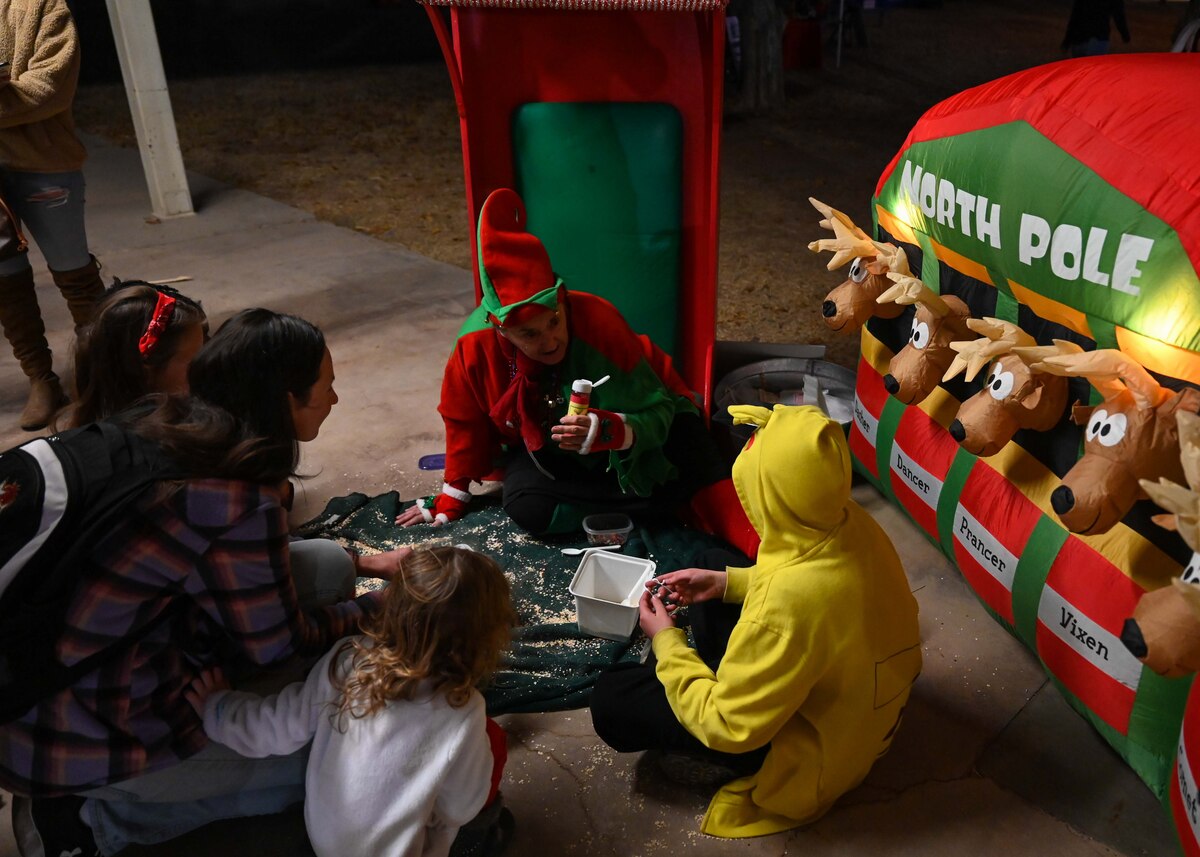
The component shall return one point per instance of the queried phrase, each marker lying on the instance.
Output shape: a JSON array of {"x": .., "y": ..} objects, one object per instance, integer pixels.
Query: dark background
[{"x": 202, "y": 38}]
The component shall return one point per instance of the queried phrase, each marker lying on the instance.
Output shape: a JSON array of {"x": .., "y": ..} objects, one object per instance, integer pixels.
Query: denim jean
[
  {"x": 218, "y": 783},
  {"x": 214, "y": 784},
  {"x": 50, "y": 207}
]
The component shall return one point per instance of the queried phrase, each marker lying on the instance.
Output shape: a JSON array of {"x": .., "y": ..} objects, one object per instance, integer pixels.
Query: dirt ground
[{"x": 377, "y": 148}]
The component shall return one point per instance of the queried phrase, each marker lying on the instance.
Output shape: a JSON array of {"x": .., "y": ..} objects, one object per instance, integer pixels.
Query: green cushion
[{"x": 602, "y": 188}]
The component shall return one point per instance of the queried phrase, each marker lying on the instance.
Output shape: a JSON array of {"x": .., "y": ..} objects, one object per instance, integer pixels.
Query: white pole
[
  {"x": 150, "y": 104},
  {"x": 841, "y": 22}
]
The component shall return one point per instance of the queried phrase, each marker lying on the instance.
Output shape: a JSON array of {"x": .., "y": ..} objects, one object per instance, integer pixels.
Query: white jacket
[{"x": 400, "y": 782}]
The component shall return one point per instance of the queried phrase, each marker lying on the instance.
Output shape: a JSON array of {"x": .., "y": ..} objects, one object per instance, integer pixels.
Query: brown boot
[
  {"x": 23, "y": 328},
  {"x": 45, "y": 398},
  {"x": 83, "y": 289}
]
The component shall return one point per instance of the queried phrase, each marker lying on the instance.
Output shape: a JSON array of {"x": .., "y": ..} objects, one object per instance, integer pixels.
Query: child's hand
[
  {"x": 689, "y": 585},
  {"x": 210, "y": 680},
  {"x": 653, "y": 615}
]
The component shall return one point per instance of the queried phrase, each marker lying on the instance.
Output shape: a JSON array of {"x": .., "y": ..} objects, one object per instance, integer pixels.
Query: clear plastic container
[{"x": 607, "y": 528}]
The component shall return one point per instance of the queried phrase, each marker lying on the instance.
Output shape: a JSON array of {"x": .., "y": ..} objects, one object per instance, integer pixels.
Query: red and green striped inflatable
[{"x": 1065, "y": 199}]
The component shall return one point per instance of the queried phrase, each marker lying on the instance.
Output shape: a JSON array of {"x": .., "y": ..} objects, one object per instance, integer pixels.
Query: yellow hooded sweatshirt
[{"x": 826, "y": 650}]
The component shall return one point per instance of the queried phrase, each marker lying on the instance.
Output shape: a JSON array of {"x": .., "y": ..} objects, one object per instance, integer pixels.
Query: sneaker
[
  {"x": 51, "y": 827},
  {"x": 694, "y": 771}
]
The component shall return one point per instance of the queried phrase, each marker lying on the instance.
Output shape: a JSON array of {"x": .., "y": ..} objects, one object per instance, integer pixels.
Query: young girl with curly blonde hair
[{"x": 403, "y": 753}]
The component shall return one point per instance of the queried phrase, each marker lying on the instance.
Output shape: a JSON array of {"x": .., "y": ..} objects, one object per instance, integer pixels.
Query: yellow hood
[{"x": 792, "y": 476}]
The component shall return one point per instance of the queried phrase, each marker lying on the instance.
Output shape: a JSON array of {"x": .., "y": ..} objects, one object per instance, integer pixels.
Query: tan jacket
[{"x": 37, "y": 132}]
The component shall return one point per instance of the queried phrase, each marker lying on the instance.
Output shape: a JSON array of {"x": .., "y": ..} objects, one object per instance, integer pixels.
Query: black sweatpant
[
  {"x": 629, "y": 704},
  {"x": 533, "y": 489}
]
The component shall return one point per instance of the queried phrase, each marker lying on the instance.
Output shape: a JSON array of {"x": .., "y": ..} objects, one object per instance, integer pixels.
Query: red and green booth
[
  {"x": 1064, "y": 199},
  {"x": 605, "y": 116}
]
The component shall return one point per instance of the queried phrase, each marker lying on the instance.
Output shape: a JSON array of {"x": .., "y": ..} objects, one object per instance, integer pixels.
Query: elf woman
[{"x": 642, "y": 444}]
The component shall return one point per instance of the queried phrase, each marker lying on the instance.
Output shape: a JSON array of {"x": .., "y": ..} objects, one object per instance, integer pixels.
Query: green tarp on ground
[{"x": 551, "y": 665}]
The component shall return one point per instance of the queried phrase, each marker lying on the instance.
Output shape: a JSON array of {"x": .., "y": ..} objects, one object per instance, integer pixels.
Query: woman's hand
[
  {"x": 653, "y": 614},
  {"x": 689, "y": 585},
  {"x": 413, "y": 515},
  {"x": 210, "y": 680},
  {"x": 382, "y": 566},
  {"x": 571, "y": 432}
]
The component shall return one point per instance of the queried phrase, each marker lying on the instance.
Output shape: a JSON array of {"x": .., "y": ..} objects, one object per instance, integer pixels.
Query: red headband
[{"x": 163, "y": 309}]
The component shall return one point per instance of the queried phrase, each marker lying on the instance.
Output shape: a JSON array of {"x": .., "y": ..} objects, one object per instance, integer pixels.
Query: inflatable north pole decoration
[
  {"x": 1165, "y": 629},
  {"x": 1062, "y": 206}
]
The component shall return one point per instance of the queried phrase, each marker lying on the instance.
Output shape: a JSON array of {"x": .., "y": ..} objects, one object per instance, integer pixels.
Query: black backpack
[{"x": 59, "y": 496}]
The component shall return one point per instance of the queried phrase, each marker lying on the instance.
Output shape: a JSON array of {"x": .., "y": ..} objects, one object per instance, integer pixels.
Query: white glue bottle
[{"x": 581, "y": 394}]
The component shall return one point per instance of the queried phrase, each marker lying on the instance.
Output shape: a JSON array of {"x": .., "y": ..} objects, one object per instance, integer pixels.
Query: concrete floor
[{"x": 990, "y": 760}]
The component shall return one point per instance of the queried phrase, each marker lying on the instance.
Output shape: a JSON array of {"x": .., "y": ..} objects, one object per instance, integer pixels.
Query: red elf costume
[{"x": 648, "y": 448}]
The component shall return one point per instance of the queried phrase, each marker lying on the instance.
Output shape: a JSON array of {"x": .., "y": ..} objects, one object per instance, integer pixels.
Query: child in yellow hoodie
[{"x": 814, "y": 678}]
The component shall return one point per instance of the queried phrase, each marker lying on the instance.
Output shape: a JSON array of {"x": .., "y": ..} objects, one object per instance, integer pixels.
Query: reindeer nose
[
  {"x": 1131, "y": 636},
  {"x": 957, "y": 431},
  {"x": 829, "y": 309},
  {"x": 1062, "y": 499},
  {"x": 891, "y": 384}
]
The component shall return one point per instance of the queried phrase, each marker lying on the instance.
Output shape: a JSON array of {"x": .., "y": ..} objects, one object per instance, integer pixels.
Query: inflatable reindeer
[
  {"x": 940, "y": 320},
  {"x": 848, "y": 307},
  {"x": 1014, "y": 395},
  {"x": 1164, "y": 632},
  {"x": 1131, "y": 435}
]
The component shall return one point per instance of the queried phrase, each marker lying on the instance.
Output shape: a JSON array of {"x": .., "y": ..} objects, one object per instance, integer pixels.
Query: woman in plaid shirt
[{"x": 123, "y": 742}]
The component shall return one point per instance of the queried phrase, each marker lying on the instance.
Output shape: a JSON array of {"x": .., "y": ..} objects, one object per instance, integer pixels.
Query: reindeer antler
[
  {"x": 830, "y": 213},
  {"x": 1182, "y": 504},
  {"x": 891, "y": 257},
  {"x": 1033, "y": 355},
  {"x": 910, "y": 290},
  {"x": 1109, "y": 371},
  {"x": 999, "y": 337},
  {"x": 848, "y": 241},
  {"x": 1189, "y": 446}
]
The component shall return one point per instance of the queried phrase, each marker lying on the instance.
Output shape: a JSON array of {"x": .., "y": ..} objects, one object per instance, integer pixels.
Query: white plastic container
[{"x": 607, "y": 588}]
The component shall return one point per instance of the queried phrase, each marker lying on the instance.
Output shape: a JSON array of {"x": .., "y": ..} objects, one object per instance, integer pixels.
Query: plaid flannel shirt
[{"x": 216, "y": 552}]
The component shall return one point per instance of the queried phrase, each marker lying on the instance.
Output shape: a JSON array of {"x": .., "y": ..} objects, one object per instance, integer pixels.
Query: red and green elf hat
[{"x": 514, "y": 268}]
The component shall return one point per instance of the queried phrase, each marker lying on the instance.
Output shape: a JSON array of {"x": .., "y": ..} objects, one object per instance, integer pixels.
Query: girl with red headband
[{"x": 141, "y": 341}]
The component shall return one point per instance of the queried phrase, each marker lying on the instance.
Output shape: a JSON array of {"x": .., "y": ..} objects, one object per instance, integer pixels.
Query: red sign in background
[
  {"x": 919, "y": 460},
  {"x": 988, "y": 544},
  {"x": 869, "y": 399},
  {"x": 1085, "y": 602}
]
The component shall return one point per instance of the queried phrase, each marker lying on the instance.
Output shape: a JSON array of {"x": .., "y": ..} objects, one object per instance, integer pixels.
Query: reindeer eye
[
  {"x": 858, "y": 271},
  {"x": 920, "y": 334},
  {"x": 1191, "y": 574},
  {"x": 1108, "y": 430},
  {"x": 1000, "y": 383}
]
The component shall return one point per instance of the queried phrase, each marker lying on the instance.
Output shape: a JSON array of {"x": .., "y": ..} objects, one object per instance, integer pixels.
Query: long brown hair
[
  {"x": 251, "y": 364},
  {"x": 207, "y": 442},
  {"x": 447, "y": 619},
  {"x": 237, "y": 423},
  {"x": 110, "y": 372}
]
